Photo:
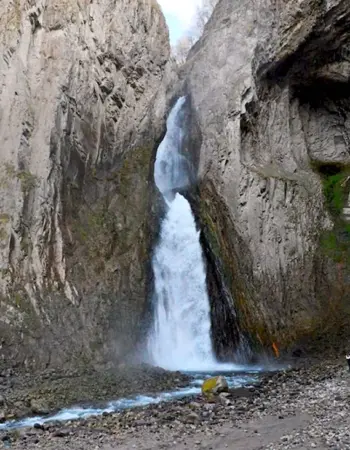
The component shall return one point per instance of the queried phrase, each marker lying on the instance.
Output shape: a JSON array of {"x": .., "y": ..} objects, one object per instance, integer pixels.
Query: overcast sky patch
[{"x": 179, "y": 15}]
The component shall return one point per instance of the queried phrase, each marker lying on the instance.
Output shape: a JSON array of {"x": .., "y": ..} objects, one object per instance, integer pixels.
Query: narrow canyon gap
[{"x": 180, "y": 337}]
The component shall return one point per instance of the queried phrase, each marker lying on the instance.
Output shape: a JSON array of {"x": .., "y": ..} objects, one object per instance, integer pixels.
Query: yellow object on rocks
[{"x": 214, "y": 385}]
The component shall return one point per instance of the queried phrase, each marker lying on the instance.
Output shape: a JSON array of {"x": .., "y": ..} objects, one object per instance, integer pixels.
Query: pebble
[{"x": 284, "y": 395}]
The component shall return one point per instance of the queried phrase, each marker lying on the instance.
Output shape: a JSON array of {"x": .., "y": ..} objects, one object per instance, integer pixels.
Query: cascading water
[{"x": 180, "y": 338}]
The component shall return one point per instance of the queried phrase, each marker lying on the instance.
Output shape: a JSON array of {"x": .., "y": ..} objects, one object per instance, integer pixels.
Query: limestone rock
[
  {"x": 269, "y": 90},
  {"x": 77, "y": 132}
]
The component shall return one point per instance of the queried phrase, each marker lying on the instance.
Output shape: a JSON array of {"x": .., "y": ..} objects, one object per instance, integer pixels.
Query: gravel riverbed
[
  {"x": 302, "y": 408},
  {"x": 23, "y": 395}
]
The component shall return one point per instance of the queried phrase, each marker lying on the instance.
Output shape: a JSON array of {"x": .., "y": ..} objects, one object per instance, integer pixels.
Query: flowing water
[
  {"x": 79, "y": 412},
  {"x": 181, "y": 335},
  {"x": 180, "y": 338}
]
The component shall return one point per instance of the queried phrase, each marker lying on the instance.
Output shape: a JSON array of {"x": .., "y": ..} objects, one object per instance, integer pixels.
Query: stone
[
  {"x": 2, "y": 416},
  {"x": 39, "y": 406},
  {"x": 214, "y": 385},
  {"x": 60, "y": 433},
  {"x": 221, "y": 385},
  {"x": 192, "y": 418}
]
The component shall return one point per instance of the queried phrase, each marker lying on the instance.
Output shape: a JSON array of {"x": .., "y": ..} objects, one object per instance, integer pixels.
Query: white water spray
[{"x": 180, "y": 339}]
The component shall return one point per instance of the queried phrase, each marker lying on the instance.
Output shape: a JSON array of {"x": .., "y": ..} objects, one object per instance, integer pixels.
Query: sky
[{"x": 179, "y": 15}]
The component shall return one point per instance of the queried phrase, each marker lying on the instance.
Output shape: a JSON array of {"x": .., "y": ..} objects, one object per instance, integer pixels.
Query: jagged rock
[
  {"x": 77, "y": 131},
  {"x": 269, "y": 96}
]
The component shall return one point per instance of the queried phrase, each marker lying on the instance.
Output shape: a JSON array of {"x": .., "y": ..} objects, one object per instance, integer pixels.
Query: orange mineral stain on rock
[{"x": 275, "y": 349}]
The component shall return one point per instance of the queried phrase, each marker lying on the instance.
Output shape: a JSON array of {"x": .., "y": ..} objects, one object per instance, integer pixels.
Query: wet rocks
[
  {"x": 301, "y": 401},
  {"x": 214, "y": 386},
  {"x": 51, "y": 391}
]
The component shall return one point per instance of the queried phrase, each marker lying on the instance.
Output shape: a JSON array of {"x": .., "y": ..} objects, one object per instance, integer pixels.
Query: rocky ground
[
  {"x": 303, "y": 408},
  {"x": 23, "y": 395}
]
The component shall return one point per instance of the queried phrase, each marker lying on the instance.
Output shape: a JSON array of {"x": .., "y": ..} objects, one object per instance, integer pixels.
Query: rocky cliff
[
  {"x": 269, "y": 87},
  {"x": 77, "y": 135}
]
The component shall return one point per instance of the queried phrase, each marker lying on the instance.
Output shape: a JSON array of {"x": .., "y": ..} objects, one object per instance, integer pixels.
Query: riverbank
[
  {"x": 25, "y": 395},
  {"x": 303, "y": 408}
]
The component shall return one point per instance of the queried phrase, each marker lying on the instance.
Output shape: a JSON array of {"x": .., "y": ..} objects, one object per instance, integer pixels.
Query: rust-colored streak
[{"x": 275, "y": 349}]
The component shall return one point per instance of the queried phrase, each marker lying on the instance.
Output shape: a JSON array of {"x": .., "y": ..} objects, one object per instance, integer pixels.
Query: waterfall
[{"x": 180, "y": 338}]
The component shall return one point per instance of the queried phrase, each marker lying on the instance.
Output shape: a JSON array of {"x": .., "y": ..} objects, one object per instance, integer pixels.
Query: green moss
[
  {"x": 3, "y": 235},
  {"x": 10, "y": 170},
  {"x": 334, "y": 188},
  {"x": 4, "y": 218},
  {"x": 96, "y": 229},
  {"x": 17, "y": 299},
  {"x": 26, "y": 245},
  {"x": 215, "y": 226},
  {"x": 336, "y": 243},
  {"x": 28, "y": 181},
  {"x": 111, "y": 233},
  {"x": 13, "y": 18}
]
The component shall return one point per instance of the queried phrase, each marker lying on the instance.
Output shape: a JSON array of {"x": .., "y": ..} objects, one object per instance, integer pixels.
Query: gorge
[{"x": 180, "y": 339}]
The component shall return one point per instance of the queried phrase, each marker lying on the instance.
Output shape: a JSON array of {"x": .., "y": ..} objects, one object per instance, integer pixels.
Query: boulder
[
  {"x": 39, "y": 406},
  {"x": 214, "y": 386}
]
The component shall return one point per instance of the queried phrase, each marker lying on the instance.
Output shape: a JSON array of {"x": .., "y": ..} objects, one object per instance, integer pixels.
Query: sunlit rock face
[
  {"x": 77, "y": 133},
  {"x": 269, "y": 86}
]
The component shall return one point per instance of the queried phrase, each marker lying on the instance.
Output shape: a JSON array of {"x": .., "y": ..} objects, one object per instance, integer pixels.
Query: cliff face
[
  {"x": 77, "y": 137},
  {"x": 269, "y": 87}
]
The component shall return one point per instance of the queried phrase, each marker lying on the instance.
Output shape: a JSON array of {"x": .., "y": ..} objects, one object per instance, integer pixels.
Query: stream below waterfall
[
  {"x": 240, "y": 377},
  {"x": 180, "y": 339}
]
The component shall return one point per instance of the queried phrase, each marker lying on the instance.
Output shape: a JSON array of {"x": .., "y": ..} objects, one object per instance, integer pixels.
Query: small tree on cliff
[
  {"x": 203, "y": 14},
  {"x": 184, "y": 44}
]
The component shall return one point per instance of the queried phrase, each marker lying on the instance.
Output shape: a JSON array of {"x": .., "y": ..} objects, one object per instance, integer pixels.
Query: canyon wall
[
  {"x": 77, "y": 133},
  {"x": 269, "y": 88}
]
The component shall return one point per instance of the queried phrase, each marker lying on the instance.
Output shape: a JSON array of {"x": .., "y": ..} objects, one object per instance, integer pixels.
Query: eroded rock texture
[
  {"x": 77, "y": 135},
  {"x": 269, "y": 86}
]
